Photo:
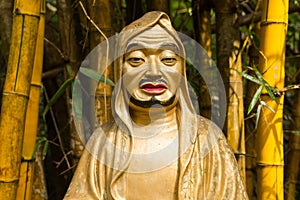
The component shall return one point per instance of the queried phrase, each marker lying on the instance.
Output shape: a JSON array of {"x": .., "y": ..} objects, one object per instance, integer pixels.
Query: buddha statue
[{"x": 156, "y": 147}]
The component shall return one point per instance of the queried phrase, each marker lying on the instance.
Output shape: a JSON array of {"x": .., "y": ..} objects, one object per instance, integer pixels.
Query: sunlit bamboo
[
  {"x": 293, "y": 152},
  {"x": 16, "y": 93},
  {"x": 31, "y": 123},
  {"x": 100, "y": 13},
  {"x": 269, "y": 137}
]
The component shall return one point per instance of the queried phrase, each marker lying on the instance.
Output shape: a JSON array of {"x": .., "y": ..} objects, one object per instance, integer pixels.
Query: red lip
[{"x": 153, "y": 88}]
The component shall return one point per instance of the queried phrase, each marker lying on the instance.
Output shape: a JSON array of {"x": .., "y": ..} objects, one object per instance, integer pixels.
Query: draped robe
[{"x": 207, "y": 169}]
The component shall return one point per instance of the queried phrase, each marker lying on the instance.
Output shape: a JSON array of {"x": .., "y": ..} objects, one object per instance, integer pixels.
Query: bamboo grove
[{"x": 254, "y": 43}]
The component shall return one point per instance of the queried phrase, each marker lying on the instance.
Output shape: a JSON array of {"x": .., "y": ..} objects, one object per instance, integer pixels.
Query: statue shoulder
[
  {"x": 209, "y": 136},
  {"x": 108, "y": 126},
  {"x": 106, "y": 130},
  {"x": 206, "y": 126}
]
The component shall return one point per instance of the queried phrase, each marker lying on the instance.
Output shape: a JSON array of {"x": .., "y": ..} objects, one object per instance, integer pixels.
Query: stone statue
[{"x": 157, "y": 147}]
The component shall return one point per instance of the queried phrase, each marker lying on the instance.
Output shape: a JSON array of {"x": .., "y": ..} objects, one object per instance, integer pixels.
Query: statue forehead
[{"x": 153, "y": 37}]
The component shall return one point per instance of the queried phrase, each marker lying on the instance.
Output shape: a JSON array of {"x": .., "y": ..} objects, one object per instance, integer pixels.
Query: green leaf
[
  {"x": 258, "y": 115},
  {"x": 77, "y": 99},
  {"x": 70, "y": 71},
  {"x": 255, "y": 39},
  {"x": 255, "y": 99},
  {"x": 259, "y": 75},
  {"x": 296, "y": 132},
  {"x": 271, "y": 94},
  {"x": 38, "y": 144},
  {"x": 58, "y": 93},
  {"x": 45, "y": 149},
  {"x": 96, "y": 76},
  {"x": 249, "y": 77},
  {"x": 267, "y": 106}
]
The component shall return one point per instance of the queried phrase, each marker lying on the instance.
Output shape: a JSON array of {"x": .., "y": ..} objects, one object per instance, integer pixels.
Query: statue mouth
[{"x": 153, "y": 88}]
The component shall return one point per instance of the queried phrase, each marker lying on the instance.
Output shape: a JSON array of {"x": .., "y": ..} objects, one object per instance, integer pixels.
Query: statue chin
[{"x": 153, "y": 101}]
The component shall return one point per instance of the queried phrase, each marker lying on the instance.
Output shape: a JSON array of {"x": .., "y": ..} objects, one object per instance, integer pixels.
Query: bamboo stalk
[
  {"x": 250, "y": 125},
  {"x": 31, "y": 123},
  {"x": 101, "y": 29},
  {"x": 16, "y": 93},
  {"x": 202, "y": 27},
  {"x": 229, "y": 61},
  {"x": 293, "y": 152},
  {"x": 71, "y": 49},
  {"x": 269, "y": 139},
  {"x": 162, "y": 5},
  {"x": 235, "y": 114},
  {"x": 293, "y": 160}
]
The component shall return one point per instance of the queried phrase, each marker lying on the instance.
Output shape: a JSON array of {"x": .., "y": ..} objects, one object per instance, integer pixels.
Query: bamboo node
[
  {"x": 38, "y": 85},
  {"x": 269, "y": 164},
  {"x": 9, "y": 180},
  {"x": 265, "y": 23},
  {"x": 18, "y": 11},
  {"x": 15, "y": 94}
]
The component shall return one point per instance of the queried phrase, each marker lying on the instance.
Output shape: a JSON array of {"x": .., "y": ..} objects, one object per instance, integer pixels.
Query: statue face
[{"x": 152, "y": 69}]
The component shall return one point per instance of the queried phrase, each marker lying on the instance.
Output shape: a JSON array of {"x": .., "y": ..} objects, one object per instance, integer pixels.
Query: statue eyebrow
[
  {"x": 165, "y": 46},
  {"x": 133, "y": 45},
  {"x": 170, "y": 46}
]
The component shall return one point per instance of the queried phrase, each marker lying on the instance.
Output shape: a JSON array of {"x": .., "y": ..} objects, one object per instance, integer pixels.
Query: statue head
[{"x": 151, "y": 66}]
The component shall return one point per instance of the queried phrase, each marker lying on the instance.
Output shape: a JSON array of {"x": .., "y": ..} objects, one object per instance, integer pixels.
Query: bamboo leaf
[
  {"x": 255, "y": 99},
  {"x": 267, "y": 106},
  {"x": 77, "y": 99},
  {"x": 38, "y": 144},
  {"x": 58, "y": 93},
  {"x": 271, "y": 94},
  {"x": 45, "y": 149},
  {"x": 255, "y": 39},
  {"x": 70, "y": 71},
  {"x": 259, "y": 75},
  {"x": 296, "y": 132},
  {"x": 258, "y": 115},
  {"x": 249, "y": 77},
  {"x": 96, "y": 76}
]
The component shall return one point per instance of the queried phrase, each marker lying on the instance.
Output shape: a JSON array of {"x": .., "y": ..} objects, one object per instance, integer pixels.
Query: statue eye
[
  {"x": 135, "y": 61},
  {"x": 169, "y": 61}
]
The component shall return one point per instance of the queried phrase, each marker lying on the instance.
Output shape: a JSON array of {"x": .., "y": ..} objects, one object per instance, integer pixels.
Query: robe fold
[{"x": 207, "y": 170}]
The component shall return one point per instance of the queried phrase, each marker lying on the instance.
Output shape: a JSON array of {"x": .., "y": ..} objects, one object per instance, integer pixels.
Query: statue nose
[{"x": 154, "y": 69}]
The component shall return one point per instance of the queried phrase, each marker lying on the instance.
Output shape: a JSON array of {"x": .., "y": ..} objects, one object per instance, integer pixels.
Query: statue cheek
[
  {"x": 131, "y": 79},
  {"x": 174, "y": 80}
]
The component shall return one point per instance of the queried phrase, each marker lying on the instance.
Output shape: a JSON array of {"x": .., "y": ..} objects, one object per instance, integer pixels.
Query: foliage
[
  {"x": 70, "y": 83},
  {"x": 272, "y": 91}
]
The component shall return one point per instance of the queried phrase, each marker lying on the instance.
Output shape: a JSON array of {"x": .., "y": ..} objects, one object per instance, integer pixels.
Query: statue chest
[
  {"x": 153, "y": 168},
  {"x": 159, "y": 184}
]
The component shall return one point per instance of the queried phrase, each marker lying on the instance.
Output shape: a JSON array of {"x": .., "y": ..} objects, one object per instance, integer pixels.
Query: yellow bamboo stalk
[
  {"x": 16, "y": 93},
  {"x": 293, "y": 152},
  {"x": 269, "y": 139},
  {"x": 31, "y": 123},
  {"x": 250, "y": 125},
  {"x": 100, "y": 13},
  {"x": 293, "y": 160},
  {"x": 235, "y": 113}
]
